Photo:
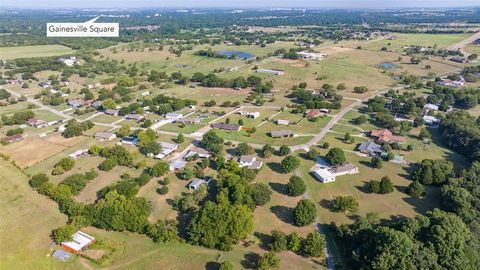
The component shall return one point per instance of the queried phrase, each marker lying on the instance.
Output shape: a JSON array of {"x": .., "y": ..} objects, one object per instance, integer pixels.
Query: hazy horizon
[{"x": 343, "y": 4}]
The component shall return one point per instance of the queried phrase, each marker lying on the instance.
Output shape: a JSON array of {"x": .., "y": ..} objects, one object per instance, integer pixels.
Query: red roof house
[{"x": 385, "y": 135}]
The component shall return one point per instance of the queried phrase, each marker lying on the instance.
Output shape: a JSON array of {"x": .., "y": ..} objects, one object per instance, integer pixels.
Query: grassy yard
[
  {"x": 261, "y": 138},
  {"x": 27, "y": 221},
  {"x": 13, "y": 108},
  {"x": 179, "y": 128},
  {"x": 390, "y": 205},
  {"x": 47, "y": 116},
  {"x": 8, "y": 53}
]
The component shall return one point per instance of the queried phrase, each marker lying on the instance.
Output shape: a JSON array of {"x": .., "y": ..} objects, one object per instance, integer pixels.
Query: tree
[
  {"x": 63, "y": 233},
  {"x": 159, "y": 169},
  {"x": 373, "y": 186},
  {"x": 377, "y": 162},
  {"x": 347, "y": 137},
  {"x": 312, "y": 154},
  {"x": 261, "y": 193},
  {"x": 107, "y": 164},
  {"x": 435, "y": 172},
  {"x": 151, "y": 148},
  {"x": 416, "y": 189},
  {"x": 38, "y": 180},
  {"x": 109, "y": 104},
  {"x": 341, "y": 86},
  {"x": 362, "y": 119},
  {"x": 180, "y": 138},
  {"x": 335, "y": 156},
  {"x": 345, "y": 204},
  {"x": 244, "y": 149},
  {"x": 284, "y": 150},
  {"x": 386, "y": 185},
  {"x": 94, "y": 150},
  {"x": 305, "y": 212},
  {"x": 123, "y": 131},
  {"x": 226, "y": 265},
  {"x": 279, "y": 241},
  {"x": 424, "y": 134},
  {"x": 187, "y": 173},
  {"x": 267, "y": 150},
  {"x": 289, "y": 164},
  {"x": 268, "y": 261},
  {"x": 294, "y": 242},
  {"x": 212, "y": 141},
  {"x": 163, "y": 231},
  {"x": 296, "y": 186},
  {"x": 315, "y": 245},
  {"x": 220, "y": 225}
]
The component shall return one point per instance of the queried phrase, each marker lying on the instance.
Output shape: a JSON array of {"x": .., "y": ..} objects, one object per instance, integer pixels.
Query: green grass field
[
  {"x": 7, "y": 53},
  {"x": 27, "y": 221}
]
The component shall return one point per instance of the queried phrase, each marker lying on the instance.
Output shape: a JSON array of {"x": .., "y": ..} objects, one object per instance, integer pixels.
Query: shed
[
  {"x": 105, "y": 136},
  {"x": 283, "y": 122},
  {"x": 79, "y": 242},
  {"x": 61, "y": 255}
]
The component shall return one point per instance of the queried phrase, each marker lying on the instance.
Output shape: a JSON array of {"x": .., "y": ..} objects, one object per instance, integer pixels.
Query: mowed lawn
[
  {"x": 27, "y": 219},
  {"x": 397, "y": 203},
  {"x": 7, "y": 53}
]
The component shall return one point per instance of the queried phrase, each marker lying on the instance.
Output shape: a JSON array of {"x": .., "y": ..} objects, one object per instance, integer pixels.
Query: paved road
[{"x": 461, "y": 44}]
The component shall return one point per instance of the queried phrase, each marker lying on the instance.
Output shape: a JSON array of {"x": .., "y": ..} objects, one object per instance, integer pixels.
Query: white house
[
  {"x": 167, "y": 149},
  {"x": 173, "y": 115},
  {"x": 323, "y": 174},
  {"x": 197, "y": 183},
  {"x": 283, "y": 122},
  {"x": 78, "y": 153},
  {"x": 250, "y": 162},
  {"x": 253, "y": 115},
  {"x": 430, "y": 107},
  {"x": 270, "y": 71},
  {"x": 105, "y": 136},
  {"x": 431, "y": 120}
]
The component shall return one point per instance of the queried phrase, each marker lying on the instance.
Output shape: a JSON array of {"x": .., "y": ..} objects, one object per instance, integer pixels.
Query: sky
[{"x": 236, "y": 3}]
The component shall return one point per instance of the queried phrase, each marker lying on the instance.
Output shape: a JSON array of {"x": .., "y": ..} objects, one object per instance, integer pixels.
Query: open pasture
[{"x": 8, "y": 53}]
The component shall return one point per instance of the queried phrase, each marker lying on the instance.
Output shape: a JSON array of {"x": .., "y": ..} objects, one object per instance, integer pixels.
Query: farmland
[
  {"x": 159, "y": 144},
  {"x": 8, "y": 53}
]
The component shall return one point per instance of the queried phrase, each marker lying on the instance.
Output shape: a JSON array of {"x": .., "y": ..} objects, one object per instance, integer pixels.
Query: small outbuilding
[
  {"x": 105, "y": 136},
  {"x": 79, "y": 242}
]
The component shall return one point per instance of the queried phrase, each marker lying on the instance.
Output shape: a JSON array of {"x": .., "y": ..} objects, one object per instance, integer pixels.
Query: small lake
[
  {"x": 240, "y": 55},
  {"x": 387, "y": 65}
]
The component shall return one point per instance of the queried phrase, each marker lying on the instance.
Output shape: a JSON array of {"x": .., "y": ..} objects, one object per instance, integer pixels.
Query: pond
[
  {"x": 240, "y": 55},
  {"x": 387, "y": 65}
]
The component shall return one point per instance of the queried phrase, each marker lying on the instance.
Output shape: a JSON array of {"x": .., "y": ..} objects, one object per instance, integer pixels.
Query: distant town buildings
[{"x": 270, "y": 71}]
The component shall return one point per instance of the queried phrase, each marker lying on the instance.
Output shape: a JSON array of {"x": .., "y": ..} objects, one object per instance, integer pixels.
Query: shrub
[
  {"x": 345, "y": 203},
  {"x": 335, "y": 156},
  {"x": 386, "y": 185},
  {"x": 373, "y": 187},
  {"x": 377, "y": 162},
  {"x": 268, "y": 261},
  {"x": 279, "y": 241},
  {"x": 107, "y": 165},
  {"x": 261, "y": 193},
  {"x": 38, "y": 180},
  {"x": 284, "y": 150},
  {"x": 162, "y": 190}
]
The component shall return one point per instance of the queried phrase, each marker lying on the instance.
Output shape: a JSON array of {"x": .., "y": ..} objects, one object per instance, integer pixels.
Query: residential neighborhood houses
[
  {"x": 107, "y": 136},
  {"x": 166, "y": 149}
]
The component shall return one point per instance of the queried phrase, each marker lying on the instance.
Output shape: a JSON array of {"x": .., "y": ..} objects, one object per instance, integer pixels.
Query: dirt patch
[
  {"x": 95, "y": 254},
  {"x": 30, "y": 151},
  {"x": 287, "y": 61},
  {"x": 334, "y": 50}
]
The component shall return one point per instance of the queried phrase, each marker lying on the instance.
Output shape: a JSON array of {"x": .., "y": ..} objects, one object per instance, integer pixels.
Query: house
[
  {"x": 311, "y": 55},
  {"x": 129, "y": 140},
  {"x": 253, "y": 115},
  {"x": 323, "y": 174},
  {"x": 79, "y": 242},
  {"x": 97, "y": 104},
  {"x": 201, "y": 153},
  {"x": 344, "y": 169},
  {"x": 270, "y": 71},
  {"x": 282, "y": 122},
  {"x": 312, "y": 113},
  {"x": 397, "y": 159},
  {"x": 233, "y": 69},
  {"x": 45, "y": 84},
  {"x": 76, "y": 103},
  {"x": 370, "y": 148},
  {"x": 402, "y": 118},
  {"x": 177, "y": 164},
  {"x": 113, "y": 112},
  {"x": 61, "y": 255},
  {"x": 323, "y": 110},
  {"x": 166, "y": 149},
  {"x": 12, "y": 138},
  {"x": 70, "y": 62},
  {"x": 250, "y": 162},
  {"x": 227, "y": 127},
  {"x": 281, "y": 133},
  {"x": 188, "y": 121},
  {"x": 430, "y": 120},
  {"x": 134, "y": 117},
  {"x": 105, "y": 136},
  {"x": 94, "y": 86},
  {"x": 458, "y": 59},
  {"x": 430, "y": 107},
  {"x": 146, "y": 93},
  {"x": 385, "y": 135},
  {"x": 197, "y": 183},
  {"x": 173, "y": 115},
  {"x": 37, "y": 123},
  {"x": 78, "y": 153}
]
